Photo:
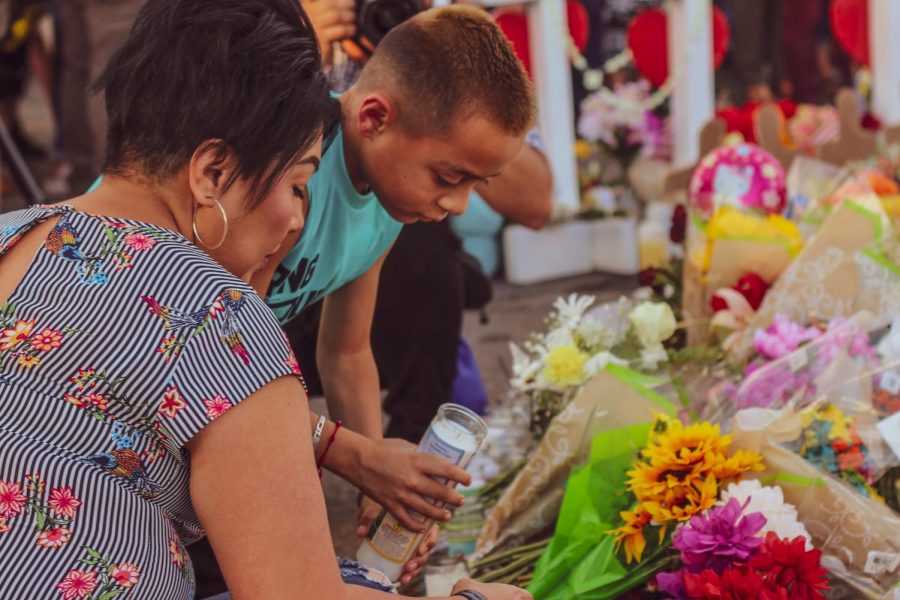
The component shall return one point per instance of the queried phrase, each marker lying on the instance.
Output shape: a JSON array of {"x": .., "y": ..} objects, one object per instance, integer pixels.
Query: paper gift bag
[{"x": 615, "y": 398}]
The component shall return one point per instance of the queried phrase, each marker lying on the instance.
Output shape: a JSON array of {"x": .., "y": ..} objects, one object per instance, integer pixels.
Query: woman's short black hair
[{"x": 247, "y": 72}]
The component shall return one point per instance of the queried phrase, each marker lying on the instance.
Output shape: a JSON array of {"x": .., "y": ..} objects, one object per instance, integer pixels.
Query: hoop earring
[{"x": 197, "y": 233}]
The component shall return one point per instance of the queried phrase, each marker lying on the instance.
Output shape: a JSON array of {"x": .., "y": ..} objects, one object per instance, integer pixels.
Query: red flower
[
  {"x": 788, "y": 565},
  {"x": 647, "y": 277},
  {"x": 737, "y": 583},
  {"x": 752, "y": 287}
]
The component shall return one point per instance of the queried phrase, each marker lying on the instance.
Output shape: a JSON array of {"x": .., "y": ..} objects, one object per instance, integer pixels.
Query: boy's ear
[{"x": 376, "y": 113}]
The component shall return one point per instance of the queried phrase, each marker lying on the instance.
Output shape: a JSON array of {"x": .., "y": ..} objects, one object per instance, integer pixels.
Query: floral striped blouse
[{"x": 121, "y": 342}]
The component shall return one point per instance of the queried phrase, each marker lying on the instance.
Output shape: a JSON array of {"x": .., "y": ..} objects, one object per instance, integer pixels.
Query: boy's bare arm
[
  {"x": 523, "y": 193},
  {"x": 344, "y": 354}
]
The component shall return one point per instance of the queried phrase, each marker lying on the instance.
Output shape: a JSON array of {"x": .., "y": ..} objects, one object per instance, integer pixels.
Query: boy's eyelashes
[{"x": 445, "y": 183}]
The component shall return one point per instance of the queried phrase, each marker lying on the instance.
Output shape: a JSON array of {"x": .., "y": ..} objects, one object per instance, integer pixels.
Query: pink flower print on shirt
[
  {"x": 77, "y": 584},
  {"x": 63, "y": 502},
  {"x": 139, "y": 242},
  {"x": 12, "y": 500},
  {"x": 217, "y": 406}
]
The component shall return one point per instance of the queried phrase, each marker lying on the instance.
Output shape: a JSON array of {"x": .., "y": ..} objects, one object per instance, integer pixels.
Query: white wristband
[{"x": 320, "y": 426}]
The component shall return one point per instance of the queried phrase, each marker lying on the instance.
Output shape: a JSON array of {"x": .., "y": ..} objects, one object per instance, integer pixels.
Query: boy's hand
[
  {"x": 368, "y": 511},
  {"x": 333, "y": 20}
]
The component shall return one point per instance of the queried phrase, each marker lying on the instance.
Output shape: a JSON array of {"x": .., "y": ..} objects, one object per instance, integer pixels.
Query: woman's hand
[
  {"x": 492, "y": 591},
  {"x": 404, "y": 481}
]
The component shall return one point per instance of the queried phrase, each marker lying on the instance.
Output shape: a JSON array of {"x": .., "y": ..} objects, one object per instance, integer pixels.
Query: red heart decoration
[
  {"x": 648, "y": 40},
  {"x": 850, "y": 24},
  {"x": 515, "y": 26}
]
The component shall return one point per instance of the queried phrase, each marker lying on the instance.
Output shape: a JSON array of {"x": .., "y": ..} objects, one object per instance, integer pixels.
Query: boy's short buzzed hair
[{"x": 450, "y": 63}]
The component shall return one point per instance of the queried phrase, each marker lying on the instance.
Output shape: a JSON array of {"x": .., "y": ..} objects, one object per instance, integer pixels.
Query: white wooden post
[
  {"x": 553, "y": 87},
  {"x": 884, "y": 50},
  {"x": 552, "y": 78},
  {"x": 690, "y": 66}
]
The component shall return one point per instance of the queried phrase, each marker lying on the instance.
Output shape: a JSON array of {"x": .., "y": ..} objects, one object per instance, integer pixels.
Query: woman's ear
[{"x": 210, "y": 168}]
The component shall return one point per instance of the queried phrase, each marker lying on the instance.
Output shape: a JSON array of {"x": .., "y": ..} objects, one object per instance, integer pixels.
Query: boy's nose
[{"x": 455, "y": 203}]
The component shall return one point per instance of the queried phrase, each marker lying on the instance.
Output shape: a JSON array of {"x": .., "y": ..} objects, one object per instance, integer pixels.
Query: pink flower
[
  {"x": 217, "y": 406},
  {"x": 172, "y": 402},
  {"x": 12, "y": 500},
  {"x": 139, "y": 242},
  {"x": 77, "y": 584},
  {"x": 63, "y": 502},
  {"x": 54, "y": 538},
  {"x": 782, "y": 337},
  {"x": 125, "y": 574},
  {"x": 720, "y": 538},
  {"x": 47, "y": 340}
]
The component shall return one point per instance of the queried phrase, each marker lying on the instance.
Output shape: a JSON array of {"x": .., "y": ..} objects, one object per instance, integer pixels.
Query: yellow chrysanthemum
[
  {"x": 564, "y": 366},
  {"x": 729, "y": 222},
  {"x": 632, "y": 533}
]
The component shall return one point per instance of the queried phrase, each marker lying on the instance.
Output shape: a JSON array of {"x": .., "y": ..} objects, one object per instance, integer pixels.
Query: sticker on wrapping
[
  {"x": 797, "y": 360},
  {"x": 879, "y": 563},
  {"x": 890, "y": 430},
  {"x": 890, "y": 381}
]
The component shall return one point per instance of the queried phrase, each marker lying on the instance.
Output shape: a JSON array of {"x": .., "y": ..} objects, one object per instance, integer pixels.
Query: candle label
[{"x": 388, "y": 538}]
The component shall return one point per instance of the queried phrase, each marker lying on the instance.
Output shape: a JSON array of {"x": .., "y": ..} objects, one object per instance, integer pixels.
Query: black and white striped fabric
[{"x": 121, "y": 342}]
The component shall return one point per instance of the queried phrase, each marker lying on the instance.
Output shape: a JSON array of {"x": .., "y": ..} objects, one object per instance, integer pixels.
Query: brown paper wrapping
[
  {"x": 847, "y": 526},
  {"x": 830, "y": 277},
  {"x": 532, "y": 501}
]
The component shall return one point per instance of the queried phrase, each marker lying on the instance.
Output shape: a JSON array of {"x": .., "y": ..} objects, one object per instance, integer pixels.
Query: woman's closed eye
[{"x": 300, "y": 191}]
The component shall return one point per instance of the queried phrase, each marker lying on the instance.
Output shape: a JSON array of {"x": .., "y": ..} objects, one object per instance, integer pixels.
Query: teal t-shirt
[{"x": 344, "y": 234}]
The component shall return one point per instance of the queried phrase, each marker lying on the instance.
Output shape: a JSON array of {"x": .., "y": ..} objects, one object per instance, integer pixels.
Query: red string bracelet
[{"x": 321, "y": 462}]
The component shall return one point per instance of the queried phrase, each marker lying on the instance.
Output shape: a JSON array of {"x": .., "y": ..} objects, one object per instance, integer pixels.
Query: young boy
[{"x": 441, "y": 106}]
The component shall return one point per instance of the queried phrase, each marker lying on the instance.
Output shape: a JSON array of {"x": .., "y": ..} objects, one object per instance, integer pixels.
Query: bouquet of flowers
[
  {"x": 578, "y": 346},
  {"x": 616, "y": 126},
  {"x": 676, "y": 477},
  {"x": 726, "y": 536}
]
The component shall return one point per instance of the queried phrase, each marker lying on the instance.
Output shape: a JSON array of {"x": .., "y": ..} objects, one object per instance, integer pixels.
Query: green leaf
[
  {"x": 93, "y": 553},
  {"x": 109, "y": 595},
  {"x": 40, "y": 520}
]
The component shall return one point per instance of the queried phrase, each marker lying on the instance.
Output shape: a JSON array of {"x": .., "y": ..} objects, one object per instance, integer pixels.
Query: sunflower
[{"x": 632, "y": 533}]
